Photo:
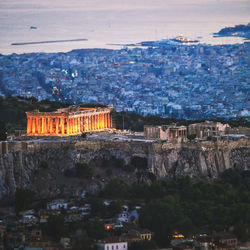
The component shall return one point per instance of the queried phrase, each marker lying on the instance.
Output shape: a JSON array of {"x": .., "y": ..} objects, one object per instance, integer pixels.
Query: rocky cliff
[{"x": 41, "y": 164}]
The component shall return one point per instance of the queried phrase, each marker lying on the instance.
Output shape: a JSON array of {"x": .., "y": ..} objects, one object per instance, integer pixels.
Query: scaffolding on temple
[{"x": 68, "y": 121}]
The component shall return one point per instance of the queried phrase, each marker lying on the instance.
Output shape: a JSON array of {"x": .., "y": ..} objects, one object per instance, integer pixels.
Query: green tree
[
  {"x": 56, "y": 227},
  {"x": 85, "y": 243},
  {"x": 3, "y": 131},
  {"x": 114, "y": 208},
  {"x": 23, "y": 199},
  {"x": 191, "y": 137},
  {"x": 96, "y": 230},
  {"x": 97, "y": 206},
  {"x": 232, "y": 176},
  {"x": 116, "y": 188},
  {"x": 143, "y": 245}
]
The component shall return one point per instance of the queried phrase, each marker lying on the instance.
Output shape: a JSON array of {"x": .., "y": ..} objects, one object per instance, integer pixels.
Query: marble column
[
  {"x": 67, "y": 121},
  {"x": 57, "y": 125},
  {"x": 62, "y": 126},
  {"x": 33, "y": 125}
]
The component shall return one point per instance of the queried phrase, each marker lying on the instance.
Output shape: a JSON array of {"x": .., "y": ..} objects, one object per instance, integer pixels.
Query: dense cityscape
[
  {"x": 171, "y": 80},
  {"x": 125, "y": 125}
]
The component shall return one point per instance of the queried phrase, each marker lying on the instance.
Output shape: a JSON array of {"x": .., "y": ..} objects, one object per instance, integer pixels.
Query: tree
[
  {"x": 23, "y": 199},
  {"x": 55, "y": 227},
  {"x": 3, "y": 131},
  {"x": 85, "y": 243},
  {"x": 143, "y": 245},
  {"x": 116, "y": 188},
  {"x": 96, "y": 230},
  {"x": 191, "y": 137},
  {"x": 114, "y": 208},
  {"x": 97, "y": 206},
  {"x": 232, "y": 176}
]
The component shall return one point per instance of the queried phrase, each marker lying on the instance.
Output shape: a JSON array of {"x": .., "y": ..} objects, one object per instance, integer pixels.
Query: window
[
  {"x": 107, "y": 247},
  {"x": 112, "y": 247},
  {"x": 116, "y": 246},
  {"x": 124, "y": 246}
]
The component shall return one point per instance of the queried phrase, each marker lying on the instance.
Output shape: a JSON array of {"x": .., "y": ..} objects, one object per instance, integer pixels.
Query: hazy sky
[{"x": 113, "y": 21}]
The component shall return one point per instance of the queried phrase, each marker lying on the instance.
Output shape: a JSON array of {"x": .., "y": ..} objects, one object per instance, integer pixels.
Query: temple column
[
  {"x": 57, "y": 125},
  {"x": 103, "y": 117},
  {"x": 62, "y": 126},
  {"x": 75, "y": 125},
  {"x": 36, "y": 127},
  {"x": 87, "y": 123},
  {"x": 97, "y": 122},
  {"x": 91, "y": 119},
  {"x": 33, "y": 125},
  {"x": 42, "y": 128},
  {"x": 82, "y": 121},
  {"x": 82, "y": 124},
  {"x": 111, "y": 123},
  {"x": 104, "y": 120},
  {"x": 28, "y": 125},
  {"x": 46, "y": 125},
  {"x": 67, "y": 121},
  {"x": 78, "y": 125},
  {"x": 108, "y": 121},
  {"x": 94, "y": 122},
  {"x": 39, "y": 125},
  {"x": 51, "y": 126},
  {"x": 70, "y": 126},
  {"x": 100, "y": 121}
]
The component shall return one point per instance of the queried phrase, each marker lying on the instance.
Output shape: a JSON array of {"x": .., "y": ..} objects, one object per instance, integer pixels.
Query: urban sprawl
[{"x": 172, "y": 80}]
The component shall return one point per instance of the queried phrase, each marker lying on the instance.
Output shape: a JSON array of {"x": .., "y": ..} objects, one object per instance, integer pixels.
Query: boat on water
[
  {"x": 33, "y": 27},
  {"x": 183, "y": 39}
]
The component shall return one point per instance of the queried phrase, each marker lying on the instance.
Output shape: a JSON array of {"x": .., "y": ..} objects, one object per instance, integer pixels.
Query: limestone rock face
[{"x": 40, "y": 165}]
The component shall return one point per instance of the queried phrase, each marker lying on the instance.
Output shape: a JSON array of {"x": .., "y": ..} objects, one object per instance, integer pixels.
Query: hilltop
[{"x": 12, "y": 113}]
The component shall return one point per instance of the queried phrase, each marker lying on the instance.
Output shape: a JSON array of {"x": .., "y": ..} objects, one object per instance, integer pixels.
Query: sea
[{"x": 107, "y": 22}]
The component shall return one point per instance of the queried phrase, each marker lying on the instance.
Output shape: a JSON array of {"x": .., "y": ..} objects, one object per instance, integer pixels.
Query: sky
[{"x": 105, "y": 22}]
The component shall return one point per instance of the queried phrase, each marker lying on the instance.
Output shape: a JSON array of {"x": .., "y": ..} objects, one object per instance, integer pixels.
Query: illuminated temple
[{"x": 68, "y": 121}]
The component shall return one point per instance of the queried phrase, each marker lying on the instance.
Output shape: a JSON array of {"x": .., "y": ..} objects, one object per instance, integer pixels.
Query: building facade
[
  {"x": 112, "y": 243},
  {"x": 166, "y": 132},
  {"x": 207, "y": 128},
  {"x": 68, "y": 121}
]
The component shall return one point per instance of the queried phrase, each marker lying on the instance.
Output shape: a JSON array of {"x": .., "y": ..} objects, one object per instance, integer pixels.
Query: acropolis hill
[{"x": 22, "y": 162}]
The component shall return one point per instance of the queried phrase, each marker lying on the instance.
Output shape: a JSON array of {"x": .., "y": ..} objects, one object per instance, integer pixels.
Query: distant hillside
[{"x": 240, "y": 30}]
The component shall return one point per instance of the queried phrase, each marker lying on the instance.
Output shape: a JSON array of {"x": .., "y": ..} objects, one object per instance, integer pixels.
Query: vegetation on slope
[{"x": 182, "y": 205}]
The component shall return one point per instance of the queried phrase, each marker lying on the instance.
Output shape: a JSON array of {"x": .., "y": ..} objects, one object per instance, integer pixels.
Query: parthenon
[{"x": 68, "y": 121}]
